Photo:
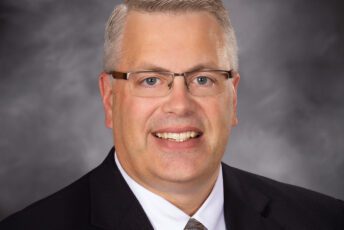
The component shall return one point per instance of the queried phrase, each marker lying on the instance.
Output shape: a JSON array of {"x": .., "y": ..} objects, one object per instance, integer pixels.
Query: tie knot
[{"x": 193, "y": 224}]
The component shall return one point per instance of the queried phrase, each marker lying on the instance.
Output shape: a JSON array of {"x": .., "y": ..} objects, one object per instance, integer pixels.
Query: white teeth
[{"x": 179, "y": 137}]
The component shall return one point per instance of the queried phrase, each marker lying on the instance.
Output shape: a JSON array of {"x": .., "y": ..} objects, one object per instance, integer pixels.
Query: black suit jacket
[{"x": 102, "y": 200}]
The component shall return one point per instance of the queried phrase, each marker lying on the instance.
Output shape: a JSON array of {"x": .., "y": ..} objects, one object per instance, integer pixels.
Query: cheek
[
  {"x": 131, "y": 117},
  {"x": 219, "y": 112}
]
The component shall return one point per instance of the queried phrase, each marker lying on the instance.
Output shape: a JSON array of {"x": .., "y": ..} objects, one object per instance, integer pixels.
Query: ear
[
  {"x": 235, "y": 82},
  {"x": 105, "y": 88}
]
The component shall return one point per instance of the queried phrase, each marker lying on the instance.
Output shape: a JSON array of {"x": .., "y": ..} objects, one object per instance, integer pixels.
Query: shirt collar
[{"x": 164, "y": 215}]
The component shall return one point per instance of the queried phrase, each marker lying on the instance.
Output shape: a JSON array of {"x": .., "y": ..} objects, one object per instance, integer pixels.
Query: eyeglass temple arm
[
  {"x": 118, "y": 75},
  {"x": 230, "y": 74}
]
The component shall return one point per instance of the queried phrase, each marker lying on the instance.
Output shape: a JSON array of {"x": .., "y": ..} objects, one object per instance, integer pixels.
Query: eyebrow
[{"x": 152, "y": 67}]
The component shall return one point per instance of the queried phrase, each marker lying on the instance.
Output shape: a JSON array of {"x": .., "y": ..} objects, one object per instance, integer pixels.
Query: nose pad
[{"x": 170, "y": 85}]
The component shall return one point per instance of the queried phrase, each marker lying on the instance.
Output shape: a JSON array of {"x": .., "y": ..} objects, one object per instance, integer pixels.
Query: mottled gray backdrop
[{"x": 291, "y": 96}]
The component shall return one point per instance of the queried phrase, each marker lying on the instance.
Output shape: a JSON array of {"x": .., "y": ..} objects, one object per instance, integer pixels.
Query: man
[{"x": 169, "y": 89}]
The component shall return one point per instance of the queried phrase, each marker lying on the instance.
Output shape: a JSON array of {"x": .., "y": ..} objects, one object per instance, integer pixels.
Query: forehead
[{"x": 174, "y": 41}]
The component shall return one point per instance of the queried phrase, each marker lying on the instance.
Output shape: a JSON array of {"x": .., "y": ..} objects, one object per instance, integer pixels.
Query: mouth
[{"x": 178, "y": 136}]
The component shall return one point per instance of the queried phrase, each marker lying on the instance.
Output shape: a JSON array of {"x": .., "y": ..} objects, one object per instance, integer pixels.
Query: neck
[{"x": 187, "y": 196}]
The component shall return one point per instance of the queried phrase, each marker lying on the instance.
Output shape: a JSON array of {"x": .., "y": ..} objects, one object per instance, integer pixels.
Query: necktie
[{"x": 193, "y": 224}]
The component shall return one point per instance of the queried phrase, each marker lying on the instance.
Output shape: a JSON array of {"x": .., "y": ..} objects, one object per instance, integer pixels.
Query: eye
[
  {"x": 203, "y": 81},
  {"x": 151, "y": 81}
]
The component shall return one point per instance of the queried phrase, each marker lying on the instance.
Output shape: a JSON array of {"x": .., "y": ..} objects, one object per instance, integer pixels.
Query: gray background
[{"x": 291, "y": 96}]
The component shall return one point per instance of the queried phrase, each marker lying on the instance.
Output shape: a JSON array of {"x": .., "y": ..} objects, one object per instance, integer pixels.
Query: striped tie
[{"x": 193, "y": 224}]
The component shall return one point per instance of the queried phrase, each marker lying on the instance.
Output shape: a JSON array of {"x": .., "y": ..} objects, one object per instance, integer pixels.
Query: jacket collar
[
  {"x": 113, "y": 205},
  {"x": 246, "y": 208}
]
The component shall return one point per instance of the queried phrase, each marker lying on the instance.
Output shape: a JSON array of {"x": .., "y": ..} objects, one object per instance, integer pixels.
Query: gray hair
[{"x": 116, "y": 22}]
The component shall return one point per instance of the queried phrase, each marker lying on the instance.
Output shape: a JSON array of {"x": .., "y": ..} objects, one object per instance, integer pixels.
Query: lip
[{"x": 178, "y": 130}]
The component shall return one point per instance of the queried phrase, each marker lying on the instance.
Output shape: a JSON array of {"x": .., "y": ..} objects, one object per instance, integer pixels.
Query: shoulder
[
  {"x": 100, "y": 198},
  {"x": 278, "y": 190},
  {"x": 287, "y": 201},
  {"x": 58, "y": 211}
]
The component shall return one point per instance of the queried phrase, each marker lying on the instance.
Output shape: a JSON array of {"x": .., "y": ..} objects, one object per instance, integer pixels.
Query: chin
[{"x": 181, "y": 172}]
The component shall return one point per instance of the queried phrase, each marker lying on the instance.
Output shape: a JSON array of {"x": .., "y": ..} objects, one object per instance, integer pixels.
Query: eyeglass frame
[{"x": 125, "y": 75}]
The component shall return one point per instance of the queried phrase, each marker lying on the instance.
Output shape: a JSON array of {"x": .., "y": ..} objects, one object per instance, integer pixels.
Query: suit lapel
[
  {"x": 246, "y": 208},
  {"x": 113, "y": 204}
]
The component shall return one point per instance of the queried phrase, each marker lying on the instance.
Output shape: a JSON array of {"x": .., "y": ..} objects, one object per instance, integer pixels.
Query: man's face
[{"x": 178, "y": 43}]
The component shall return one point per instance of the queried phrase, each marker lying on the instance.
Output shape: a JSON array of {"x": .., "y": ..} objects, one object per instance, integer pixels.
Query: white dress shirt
[{"x": 163, "y": 215}]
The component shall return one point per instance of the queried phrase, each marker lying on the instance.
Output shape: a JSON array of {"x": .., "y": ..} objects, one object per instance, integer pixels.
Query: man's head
[
  {"x": 117, "y": 21},
  {"x": 170, "y": 142}
]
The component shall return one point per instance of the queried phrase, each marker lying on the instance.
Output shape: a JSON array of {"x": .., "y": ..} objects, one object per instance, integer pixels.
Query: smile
[{"x": 178, "y": 137}]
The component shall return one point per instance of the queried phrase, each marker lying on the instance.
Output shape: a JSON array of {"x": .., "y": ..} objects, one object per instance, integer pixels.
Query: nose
[{"x": 179, "y": 101}]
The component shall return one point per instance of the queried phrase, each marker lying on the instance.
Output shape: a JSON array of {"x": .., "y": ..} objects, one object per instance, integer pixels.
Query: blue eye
[
  {"x": 151, "y": 81},
  {"x": 202, "y": 80}
]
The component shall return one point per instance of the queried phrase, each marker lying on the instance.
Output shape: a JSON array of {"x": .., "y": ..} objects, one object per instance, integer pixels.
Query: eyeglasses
[{"x": 158, "y": 84}]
